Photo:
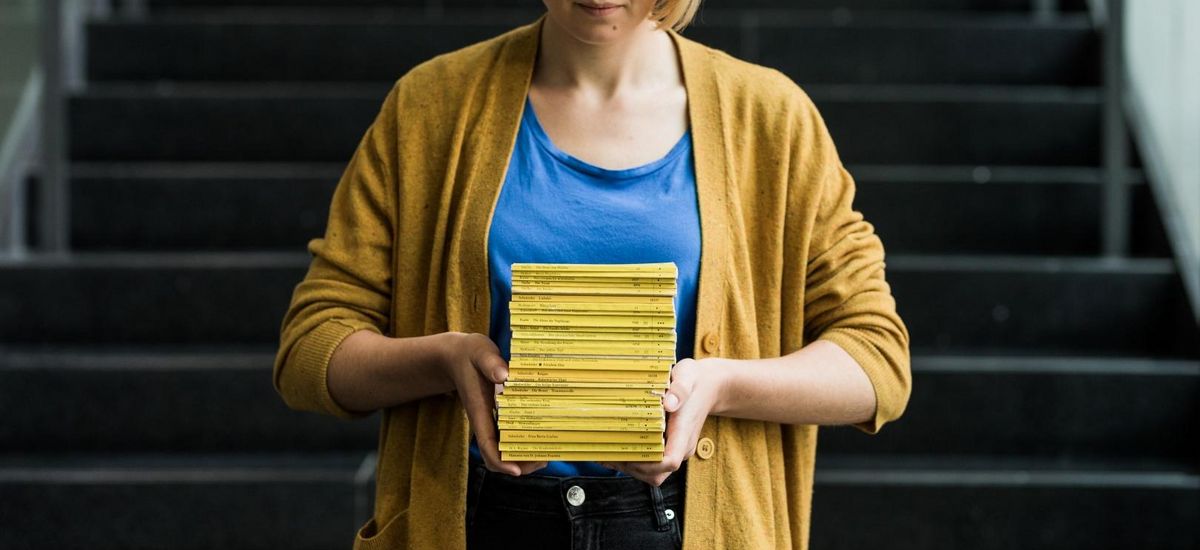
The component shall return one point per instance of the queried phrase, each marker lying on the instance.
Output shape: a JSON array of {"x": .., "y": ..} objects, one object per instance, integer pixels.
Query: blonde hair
[{"x": 676, "y": 14}]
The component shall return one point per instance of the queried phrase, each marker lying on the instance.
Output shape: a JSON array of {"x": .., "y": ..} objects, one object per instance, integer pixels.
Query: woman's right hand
[{"x": 474, "y": 364}]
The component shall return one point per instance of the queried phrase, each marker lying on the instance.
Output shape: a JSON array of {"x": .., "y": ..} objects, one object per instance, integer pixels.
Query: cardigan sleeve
[
  {"x": 347, "y": 287},
  {"x": 847, "y": 298}
]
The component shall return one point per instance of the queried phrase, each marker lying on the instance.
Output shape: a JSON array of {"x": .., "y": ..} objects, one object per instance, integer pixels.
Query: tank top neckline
[{"x": 543, "y": 140}]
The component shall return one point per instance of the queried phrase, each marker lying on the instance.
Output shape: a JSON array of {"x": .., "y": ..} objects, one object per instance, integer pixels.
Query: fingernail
[
  {"x": 672, "y": 401},
  {"x": 501, "y": 375}
]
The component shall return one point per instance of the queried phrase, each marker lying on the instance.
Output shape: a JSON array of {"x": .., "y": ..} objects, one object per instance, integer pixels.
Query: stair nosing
[
  {"x": 292, "y": 258},
  {"x": 887, "y": 173},
  {"x": 158, "y": 358},
  {"x": 345, "y": 90},
  {"x": 192, "y": 467},
  {"x": 1034, "y": 364},
  {"x": 1030, "y": 264},
  {"x": 722, "y": 17},
  {"x": 1167, "y": 480}
]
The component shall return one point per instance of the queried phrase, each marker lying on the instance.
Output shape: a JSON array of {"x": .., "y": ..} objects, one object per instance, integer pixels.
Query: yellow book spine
[
  {"x": 649, "y": 267},
  {"x": 560, "y": 329},
  {"x": 580, "y": 455},
  {"x": 530, "y": 286},
  {"x": 596, "y": 347},
  {"x": 578, "y": 392},
  {"x": 587, "y": 336},
  {"x": 592, "y": 277},
  {"x": 570, "y": 320},
  {"x": 592, "y": 307},
  {"x": 549, "y": 413},
  {"x": 561, "y": 375},
  {"x": 589, "y": 363},
  {"x": 583, "y": 446},
  {"x": 607, "y": 299},
  {"x": 588, "y": 291},
  {"x": 593, "y": 424},
  {"x": 567, "y": 343},
  {"x": 572, "y": 436},
  {"x": 526, "y": 401},
  {"x": 606, "y": 385}
]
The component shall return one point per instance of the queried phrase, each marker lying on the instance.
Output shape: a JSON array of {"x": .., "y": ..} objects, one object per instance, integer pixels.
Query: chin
[{"x": 592, "y": 29}]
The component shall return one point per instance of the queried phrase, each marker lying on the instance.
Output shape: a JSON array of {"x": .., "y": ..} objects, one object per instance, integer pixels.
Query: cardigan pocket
[{"x": 393, "y": 533}]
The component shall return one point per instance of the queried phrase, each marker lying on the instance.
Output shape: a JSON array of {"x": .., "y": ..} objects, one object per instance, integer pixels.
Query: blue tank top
[{"x": 556, "y": 208}]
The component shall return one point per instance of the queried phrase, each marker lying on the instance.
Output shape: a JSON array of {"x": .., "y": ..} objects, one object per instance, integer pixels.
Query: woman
[{"x": 599, "y": 134}]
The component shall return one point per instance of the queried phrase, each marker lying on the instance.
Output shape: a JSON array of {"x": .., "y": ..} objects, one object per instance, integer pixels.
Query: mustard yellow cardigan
[{"x": 785, "y": 260}]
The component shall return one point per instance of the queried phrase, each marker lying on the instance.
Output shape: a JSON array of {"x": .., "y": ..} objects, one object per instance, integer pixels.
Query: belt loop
[{"x": 660, "y": 509}]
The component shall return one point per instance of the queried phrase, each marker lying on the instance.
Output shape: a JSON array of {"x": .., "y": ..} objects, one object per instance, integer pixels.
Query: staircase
[{"x": 1055, "y": 392}]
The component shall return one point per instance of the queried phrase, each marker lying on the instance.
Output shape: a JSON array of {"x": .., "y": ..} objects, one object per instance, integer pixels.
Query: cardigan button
[
  {"x": 705, "y": 448},
  {"x": 710, "y": 342}
]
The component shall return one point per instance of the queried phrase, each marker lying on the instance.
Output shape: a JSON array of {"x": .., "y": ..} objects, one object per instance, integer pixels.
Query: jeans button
[
  {"x": 670, "y": 513},
  {"x": 575, "y": 495}
]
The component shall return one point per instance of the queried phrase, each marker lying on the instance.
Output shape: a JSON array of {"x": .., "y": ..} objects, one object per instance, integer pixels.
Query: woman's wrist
[
  {"x": 720, "y": 375},
  {"x": 376, "y": 371},
  {"x": 448, "y": 350}
]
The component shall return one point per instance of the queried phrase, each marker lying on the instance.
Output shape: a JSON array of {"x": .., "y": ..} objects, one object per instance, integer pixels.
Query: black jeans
[{"x": 579, "y": 513}]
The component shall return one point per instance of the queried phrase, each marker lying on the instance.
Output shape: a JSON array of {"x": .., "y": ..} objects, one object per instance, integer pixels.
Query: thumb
[{"x": 671, "y": 401}]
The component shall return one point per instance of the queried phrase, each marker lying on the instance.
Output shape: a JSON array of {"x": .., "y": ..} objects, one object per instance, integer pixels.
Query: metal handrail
[
  {"x": 16, "y": 145},
  {"x": 53, "y": 217},
  {"x": 1115, "y": 213},
  {"x": 38, "y": 135}
]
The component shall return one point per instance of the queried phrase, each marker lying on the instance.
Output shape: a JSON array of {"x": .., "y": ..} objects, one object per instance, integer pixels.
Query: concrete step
[
  {"x": 242, "y": 206},
  {"x": 1018, "y": 211},
  {"x": 183, "y": 501},
  {"x": 985, "y": 503},
  {"x": 1043, "y": 305},
  {"x": 899, "y": 5},
  {"x": 811, "y": 47},
  {"x": 951, "y": 304},
  {"x": 209, "y": 399},
  {"x": 257, "y": 206},
  {"x": 939, "y": 125},
  {"x": 1066, "y": 409}
]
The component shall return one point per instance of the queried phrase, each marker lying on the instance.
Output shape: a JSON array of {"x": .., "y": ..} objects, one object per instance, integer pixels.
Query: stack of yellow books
[{"x": 592, "y": 350}]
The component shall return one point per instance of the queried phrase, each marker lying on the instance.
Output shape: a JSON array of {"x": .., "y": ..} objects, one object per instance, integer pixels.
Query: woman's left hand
[{"x": 695, "y": 391}]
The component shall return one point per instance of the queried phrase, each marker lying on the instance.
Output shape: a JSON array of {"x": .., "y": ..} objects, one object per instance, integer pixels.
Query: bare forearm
[
  {"x": 369, "y": 371},
  {"x": 819, "y": 384}
]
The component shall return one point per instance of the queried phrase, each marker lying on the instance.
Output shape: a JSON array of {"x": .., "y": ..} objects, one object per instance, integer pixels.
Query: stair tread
[
  {"x": 252, "y": 356},
  {"x": 967, "y": 174},
  {"x": 290, "y": 89},
  {"x": 974, "y": 262},
  {"x": 714, "y": 15}
]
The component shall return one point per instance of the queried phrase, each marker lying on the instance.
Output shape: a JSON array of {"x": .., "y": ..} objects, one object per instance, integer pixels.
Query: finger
[
  {"x": 491, "y": 455},
  {"x": 530, "y": 467},
  {"x": 683, "y": 429},
  {"x": 649, "y": 471},
  {"x": 618, "y": 466},
  {"x": 479, "y": 412},
  {"x": 493, "y": 367},
  {"x": 679, "y": 390},
  {"x": 631, "y": 469},
  {"x": 653, "y": 473}
]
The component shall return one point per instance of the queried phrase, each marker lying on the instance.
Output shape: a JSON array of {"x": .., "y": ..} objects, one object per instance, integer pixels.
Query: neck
[{"x": 644, "y": 60}]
